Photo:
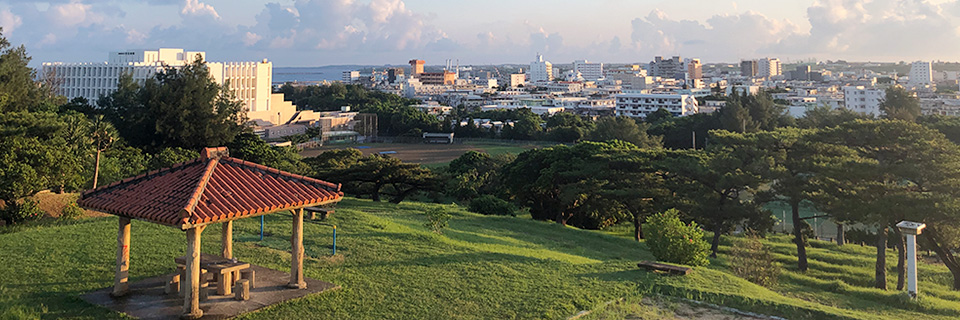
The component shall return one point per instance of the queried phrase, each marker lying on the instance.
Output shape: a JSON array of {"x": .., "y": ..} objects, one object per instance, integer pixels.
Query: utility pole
[{"x": 694, "y": 140}]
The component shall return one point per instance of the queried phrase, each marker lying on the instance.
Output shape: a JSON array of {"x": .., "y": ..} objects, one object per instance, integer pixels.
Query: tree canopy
[{"x": 179, "y": 107}]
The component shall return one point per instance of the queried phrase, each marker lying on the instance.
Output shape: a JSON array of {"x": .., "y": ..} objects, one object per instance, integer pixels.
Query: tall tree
[
  {"x": 103, "y": 136},
  {"x": 792, "y": 162},
  {"x": 826, "y": 117},
  {"x": 378, "y": 175},
  {"x": 900, "y": 104},
  {"x": 685, "y": 132},
  {"x": 251, "y": 147},
  {"x": 474, "y": 174},
  {"x": 18, "y": 90},
  {"x": 179, "y": 107},
  {"x": 633, "y": 180},
  {"x": 624, "y": 129},
  {"x": 553, "y": 182},
  {"x": 902, "y": 171},
  {"x": 719, "y": 177}
]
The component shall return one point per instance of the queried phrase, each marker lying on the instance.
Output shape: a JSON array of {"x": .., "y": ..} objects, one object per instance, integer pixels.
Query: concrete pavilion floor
[{"x": 147, "y": 300}]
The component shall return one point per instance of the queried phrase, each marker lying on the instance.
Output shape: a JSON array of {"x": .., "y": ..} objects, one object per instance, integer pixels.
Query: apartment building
[
  {"x": 249, "y": 81},
  {"x": 638, "y": 105}
]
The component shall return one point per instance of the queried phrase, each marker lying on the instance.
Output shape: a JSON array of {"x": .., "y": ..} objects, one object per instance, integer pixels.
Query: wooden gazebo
[{"x": 214, "y": 188}]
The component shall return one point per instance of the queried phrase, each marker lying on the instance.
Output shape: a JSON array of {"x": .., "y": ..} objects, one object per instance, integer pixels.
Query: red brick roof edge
[{"x": 187, "y": 194}]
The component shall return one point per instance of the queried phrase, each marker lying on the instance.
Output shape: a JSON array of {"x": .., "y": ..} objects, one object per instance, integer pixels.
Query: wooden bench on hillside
[
  {"x": 671, "y": 269},
  {"x": 313, "y": 211}
]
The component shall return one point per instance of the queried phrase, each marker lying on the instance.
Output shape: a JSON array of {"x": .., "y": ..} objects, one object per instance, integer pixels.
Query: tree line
[
  {"x": 851, "y": 168},
  {"x": 49, "y": 143}
]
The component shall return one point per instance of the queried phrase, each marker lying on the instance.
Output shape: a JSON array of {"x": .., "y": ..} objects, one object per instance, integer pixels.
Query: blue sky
[{"x": 333, "y": 32}]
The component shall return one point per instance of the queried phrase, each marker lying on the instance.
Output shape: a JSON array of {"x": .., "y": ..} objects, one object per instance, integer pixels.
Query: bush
[
  {"x": 492, "y": 206},
  {"x": 753, "y": 261},
  {"x": 672, "y": 241},
  {"x": 71, "y": 212},
  {"x": 437, "y": 219},
  {"x": 28, "y": 210}
]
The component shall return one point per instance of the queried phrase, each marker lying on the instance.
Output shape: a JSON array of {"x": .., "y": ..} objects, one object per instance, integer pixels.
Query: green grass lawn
[{"x": 390, "y": 266}]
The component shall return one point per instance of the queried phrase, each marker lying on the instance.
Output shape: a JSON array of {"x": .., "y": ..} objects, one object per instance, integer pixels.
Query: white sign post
[{"x": 910, "y": 230}]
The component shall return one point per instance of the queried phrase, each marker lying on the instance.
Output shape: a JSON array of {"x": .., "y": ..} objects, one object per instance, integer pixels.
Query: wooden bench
[
  {"x": 225, "y": 271},
  {"x": 671, "y": 269},
  {"x": 313, "y": 211}
]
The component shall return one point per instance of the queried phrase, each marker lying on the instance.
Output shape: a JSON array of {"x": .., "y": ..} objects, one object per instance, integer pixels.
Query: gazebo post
[
  {"x": 296, "y": 252},
  {"x": 226, "y": 240},
  {"x": 121, "y": 277},
  {"x": 191, "y": 298},
  {"x": 226, "y": 244}
]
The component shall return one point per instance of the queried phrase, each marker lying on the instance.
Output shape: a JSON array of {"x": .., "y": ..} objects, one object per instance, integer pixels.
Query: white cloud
[
  {"x": 251, "y": 38},
  {"x": 385, "y": 31},
  {"x": 721, "y": 37},
  {"x": 848, "y": 29},
  {"x": 9, "y": 21},
  {"x": 878, "y": 29},
  {"x": 135, "y": 37},
  {"x": 197, "y": 8},
  {"x": 73, "y": 14},
  {"x": 48, "y": 39}
]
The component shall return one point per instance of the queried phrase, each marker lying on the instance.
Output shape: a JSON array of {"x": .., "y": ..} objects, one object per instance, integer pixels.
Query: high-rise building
[
  {"x": 540, "y": 70},
  {"x": 863, "y": 99},
  {"x": 748, "y": 68},
  {"x": 416, "y": 67},
  {"x": 694, "y": 69},
  {"x": 769, "y": 67},
  {"x": 591, "y": 71},
  {"x": 641, "y": 105},
  {"x": 393, "y": 74},
  {"x": 921, "y": 74},
  {"x": 250, "y": 82},
  {"x": 517, "y": 79},
  {"x": 667, "y": 68},
  {"x": 438, "y": 78},
  {"x": 350, "y": 76},
  {"x": 801, "y": 73}
]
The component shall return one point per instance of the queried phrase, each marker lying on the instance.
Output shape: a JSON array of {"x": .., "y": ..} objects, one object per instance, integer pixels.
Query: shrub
[
  {"x": 28, "y": 210},
  {"x": 71, "y": 212},
  {"x": 755, "y": 262},
  {"x": 437, "y": 219},
  {"x": 491, "y": 205},
  {"x": 670, "y": 240}
]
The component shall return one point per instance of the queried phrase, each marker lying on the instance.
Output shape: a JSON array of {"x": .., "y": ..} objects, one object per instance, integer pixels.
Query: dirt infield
[{"x": 424, "y": 153}]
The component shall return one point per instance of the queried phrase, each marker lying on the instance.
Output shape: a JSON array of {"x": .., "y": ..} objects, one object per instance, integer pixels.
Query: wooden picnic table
[{"x": 225, "y": 270}]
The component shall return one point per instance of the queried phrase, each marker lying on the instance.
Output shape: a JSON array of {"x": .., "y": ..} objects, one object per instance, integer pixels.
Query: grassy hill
[{"x": 390, "y": 266}]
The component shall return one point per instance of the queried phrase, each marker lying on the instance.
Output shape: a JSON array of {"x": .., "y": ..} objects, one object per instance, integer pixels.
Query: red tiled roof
[{"x": 209, "y": 189}]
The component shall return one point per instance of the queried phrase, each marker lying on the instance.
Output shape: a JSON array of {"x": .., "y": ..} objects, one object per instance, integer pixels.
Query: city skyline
[{"x": 376, "y": 32}]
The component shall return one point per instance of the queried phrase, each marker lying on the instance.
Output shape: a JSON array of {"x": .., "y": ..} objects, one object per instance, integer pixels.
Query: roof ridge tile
[{"x": 187, "y": 211}]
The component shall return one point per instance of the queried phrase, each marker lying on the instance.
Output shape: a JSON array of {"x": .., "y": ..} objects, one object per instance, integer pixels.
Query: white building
[
  {"x": 350, "y": 76},
  {"x": 921, "y": 74},
  {"x": 591, "y": 71},
  {"x": 640, "y": 105},
  {"x": 769, "y": 67},
  {"x": 863, "y": 100},
  {"x": 538, "y": 110},
  {"x": 250, "y": 82},
  {"x": 517, "y": 79},
  {"x": 540, "y": 70},
  {"x": 564, "y": 87}
]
